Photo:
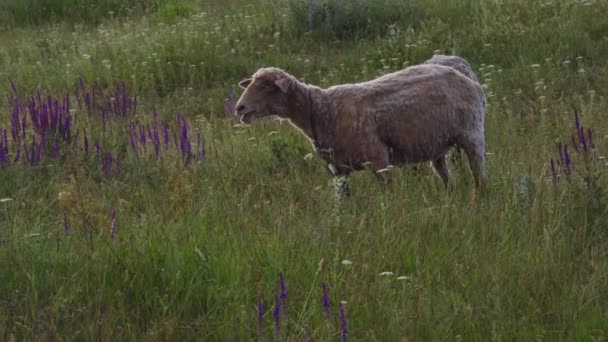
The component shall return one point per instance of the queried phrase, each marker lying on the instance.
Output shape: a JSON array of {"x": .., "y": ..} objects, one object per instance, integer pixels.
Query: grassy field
[{"x": 133, "y": 206}]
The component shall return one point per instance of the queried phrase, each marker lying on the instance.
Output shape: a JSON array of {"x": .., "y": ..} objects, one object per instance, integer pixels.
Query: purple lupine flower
[
  {"x": 283, "y": 288},
  {"x": 66, "y": 225},
  {"x": 2, "y": 148},
  {"x": 261, "y": 311},
  {"x": 566, "y": 159},
  {"x": 86, "y": 143},
  {"x": 142, "y": 136},
  {"x": 553, "y": 172},
  {"x": 583, "y": 141},
  {"x": 166, "y": 135},
  {"x": 23, "y": 127},
  {"x": 113, "y": 224},
  {"x": 326, "y": 303},
  {"x": 590, "y": 135},
  {"x": 276, "y": 313},
  {"x": 156, "y": 142},
  {"x": 343, "y": 323}
]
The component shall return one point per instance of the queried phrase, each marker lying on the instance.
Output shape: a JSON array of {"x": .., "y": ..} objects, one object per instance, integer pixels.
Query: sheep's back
[{"x": 418, "y": 110}]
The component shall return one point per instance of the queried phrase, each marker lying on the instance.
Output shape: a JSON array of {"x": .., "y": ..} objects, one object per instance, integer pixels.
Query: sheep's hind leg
[
  {"x": 475, "y": 151},
  {"x": 441, "y": 167}
]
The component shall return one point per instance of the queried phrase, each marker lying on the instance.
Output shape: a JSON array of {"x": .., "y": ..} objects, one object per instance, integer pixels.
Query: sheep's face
[{"x": 263, "y": 96}]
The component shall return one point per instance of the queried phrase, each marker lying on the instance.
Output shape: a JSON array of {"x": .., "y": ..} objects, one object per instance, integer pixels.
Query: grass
[{"x": 198, "y": 247}]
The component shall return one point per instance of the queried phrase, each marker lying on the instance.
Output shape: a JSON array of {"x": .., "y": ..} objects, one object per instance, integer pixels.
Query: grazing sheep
[
  {"x": 409, "y": 116},
  {"x": 455, "y": 62}
]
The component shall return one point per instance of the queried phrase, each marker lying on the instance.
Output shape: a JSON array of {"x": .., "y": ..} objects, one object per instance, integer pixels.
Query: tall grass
[
  {"x": 34, "y": 12},
  {"x": 161, "y": 251}
]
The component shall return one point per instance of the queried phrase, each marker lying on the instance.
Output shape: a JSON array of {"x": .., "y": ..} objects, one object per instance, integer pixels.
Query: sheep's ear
[
  {"x": 245, "y": 83},
  {"x": 284, "y": 84}
]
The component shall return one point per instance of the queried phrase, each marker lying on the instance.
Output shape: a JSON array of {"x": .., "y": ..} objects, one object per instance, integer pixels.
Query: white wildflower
[
  {"x": 386, "y": 274},
  {"x": 346, "y": 262}
]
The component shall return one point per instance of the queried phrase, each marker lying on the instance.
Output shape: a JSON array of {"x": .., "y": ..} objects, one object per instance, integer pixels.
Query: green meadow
[{"x": 143, "y": 210}]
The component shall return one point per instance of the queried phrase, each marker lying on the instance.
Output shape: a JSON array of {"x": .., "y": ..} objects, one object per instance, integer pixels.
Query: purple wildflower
[
  {"x": 577, "y": 124},
  {"x": 582, "y": 139},
  {"x": 66, "y": 225},
  {"x": 343, "y": 323},
  {"x": 86, "y": 143},
  {"x": 142, "y": 136},
  {"x": 156, "y": 142},
  {"x": 23, "y": 126},
  {"x": 3, "y": 148},
  {"x": 113, "y": 224},
  {"x": 566, "y": 159},
  {"x": 166, "y": 135},
  {"x": 326, "y": 303},
  {"x": 283, "y": 287},
  {"x": 276, "y": 313}
]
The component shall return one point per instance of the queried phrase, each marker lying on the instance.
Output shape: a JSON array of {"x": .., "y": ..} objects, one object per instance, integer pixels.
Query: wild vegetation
[{"x": 133, "y": 205}]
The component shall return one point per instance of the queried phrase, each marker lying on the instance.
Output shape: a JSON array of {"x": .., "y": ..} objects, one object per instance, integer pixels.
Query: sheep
[{"x": 409, "y": 116}]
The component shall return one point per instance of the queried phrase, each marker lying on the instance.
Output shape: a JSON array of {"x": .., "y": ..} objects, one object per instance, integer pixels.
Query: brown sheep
[{"x": 410, "y": 116}]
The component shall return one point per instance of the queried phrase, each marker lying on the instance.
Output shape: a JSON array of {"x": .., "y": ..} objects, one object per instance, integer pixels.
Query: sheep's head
[{"x": 266, "y": 93}]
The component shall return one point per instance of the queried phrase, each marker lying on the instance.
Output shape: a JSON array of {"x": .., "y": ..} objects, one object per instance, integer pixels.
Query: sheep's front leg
[{"x": 380, "y": 165}]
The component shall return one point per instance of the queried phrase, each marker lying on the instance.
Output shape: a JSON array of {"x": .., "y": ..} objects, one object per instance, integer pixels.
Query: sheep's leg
[
  {"x": 441, "y": 167},
  {"x": 381, "y": 170},
  {"x": 477, "y": 161}
]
